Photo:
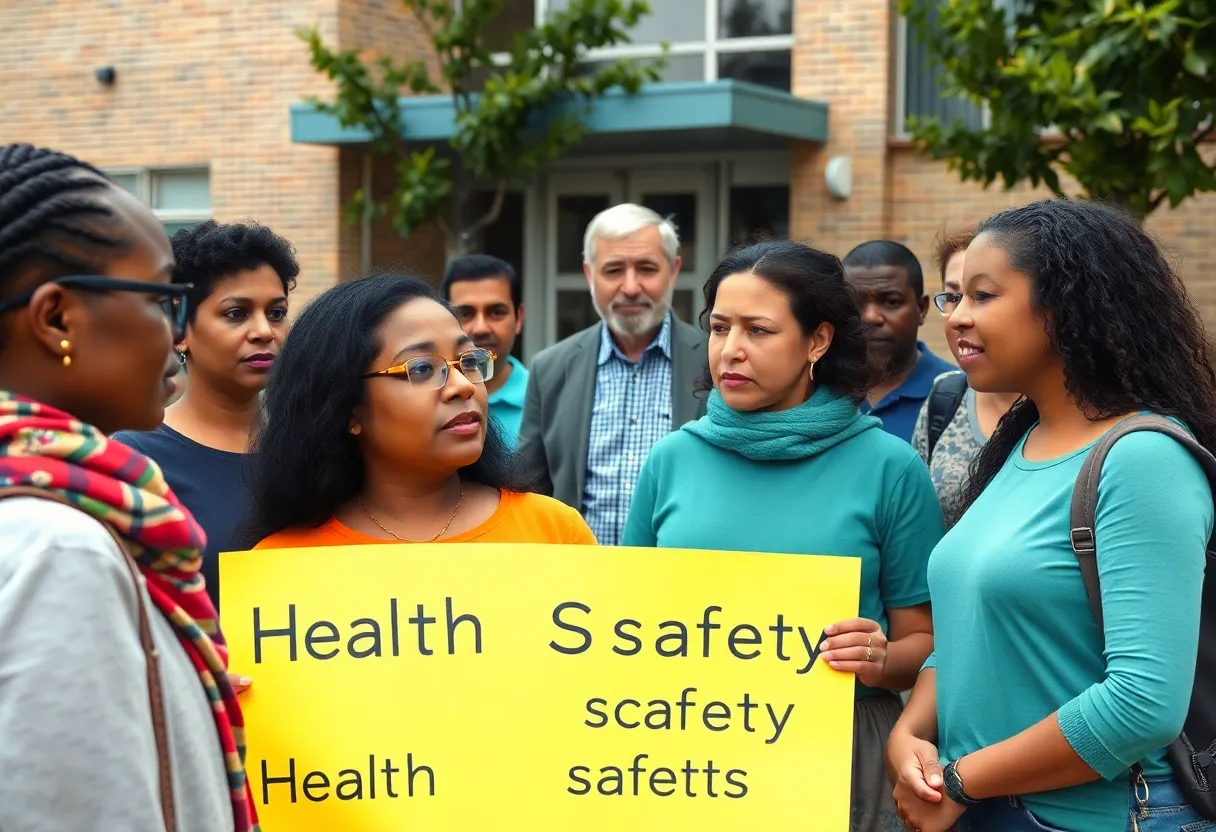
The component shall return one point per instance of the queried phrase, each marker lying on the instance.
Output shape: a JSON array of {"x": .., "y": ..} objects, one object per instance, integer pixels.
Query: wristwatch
[{"x": 954, "y": 785}]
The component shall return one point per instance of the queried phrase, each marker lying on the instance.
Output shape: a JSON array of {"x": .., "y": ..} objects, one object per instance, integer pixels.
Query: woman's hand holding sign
[
  {"x": 879, "y": 659},
  {"x": 857, "y": 646}
]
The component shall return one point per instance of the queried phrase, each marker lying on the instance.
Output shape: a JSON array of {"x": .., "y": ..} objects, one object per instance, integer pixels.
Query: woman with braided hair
[{"x": 115, "y": 708}]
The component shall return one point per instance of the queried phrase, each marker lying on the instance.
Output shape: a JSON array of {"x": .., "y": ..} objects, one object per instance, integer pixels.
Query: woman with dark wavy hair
[
  {"x": 375, "y": 431},
  {"x": 783, "y": 440},
  {"x": 1044, "y": 723}
]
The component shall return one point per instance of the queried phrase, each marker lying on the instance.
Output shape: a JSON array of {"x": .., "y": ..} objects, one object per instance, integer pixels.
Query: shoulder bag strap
[
  {"x": 944, "y": 398},
  {"x": 151, "y": 656},
  {"x": 1085, "y": 495}
]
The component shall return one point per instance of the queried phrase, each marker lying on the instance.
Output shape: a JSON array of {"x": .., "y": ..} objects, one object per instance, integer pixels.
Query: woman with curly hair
[
  {"x": 1044, "y": 724},
  {"x": 783, "y": 440},
  {"x": 241, "y": 275}
]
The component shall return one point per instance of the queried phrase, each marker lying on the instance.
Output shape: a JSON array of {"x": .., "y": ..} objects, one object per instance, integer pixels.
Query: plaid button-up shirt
[{"x": 632, "y": 411}]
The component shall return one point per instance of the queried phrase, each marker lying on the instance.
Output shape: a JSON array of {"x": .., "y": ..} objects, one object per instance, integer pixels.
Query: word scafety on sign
[{"x": 522, "y": 687}]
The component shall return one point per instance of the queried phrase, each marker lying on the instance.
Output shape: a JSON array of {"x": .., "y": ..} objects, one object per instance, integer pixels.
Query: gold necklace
[{"x": 396, "y": 536}]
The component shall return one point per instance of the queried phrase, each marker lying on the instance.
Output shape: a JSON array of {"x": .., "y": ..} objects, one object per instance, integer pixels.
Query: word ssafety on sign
[{"x": 539, "y": 683}]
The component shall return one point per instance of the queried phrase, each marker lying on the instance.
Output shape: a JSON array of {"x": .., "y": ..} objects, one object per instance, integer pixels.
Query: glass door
[
  {"x": 686, "y": 198},
  {"x": 574, "y": 200}
]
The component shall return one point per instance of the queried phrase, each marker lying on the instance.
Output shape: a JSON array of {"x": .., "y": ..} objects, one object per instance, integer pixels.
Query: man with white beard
[{"x": 599, "y": 400}]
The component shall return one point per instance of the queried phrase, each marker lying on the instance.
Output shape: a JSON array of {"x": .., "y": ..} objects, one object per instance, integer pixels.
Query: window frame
[
  {"x": 709, "y": 48},
  {"x": 899, "y": 128},
  {"x": 146, "y": 179}
]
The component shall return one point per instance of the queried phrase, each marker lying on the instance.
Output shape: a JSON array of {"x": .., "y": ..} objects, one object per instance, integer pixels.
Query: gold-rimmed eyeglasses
[{"x": 431, "y": 371}]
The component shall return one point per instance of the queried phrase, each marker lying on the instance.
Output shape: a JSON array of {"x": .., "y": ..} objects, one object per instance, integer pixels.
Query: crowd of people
[{"x": 802, "y": 414}]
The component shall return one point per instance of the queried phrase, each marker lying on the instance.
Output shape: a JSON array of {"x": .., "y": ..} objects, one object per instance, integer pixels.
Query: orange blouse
[{"x": 519, "y": 518}]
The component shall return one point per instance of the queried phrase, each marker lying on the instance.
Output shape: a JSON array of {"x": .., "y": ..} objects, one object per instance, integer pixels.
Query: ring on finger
[
  {"x": 869, "y": 640},
  {"x": 869, "y": 654}
]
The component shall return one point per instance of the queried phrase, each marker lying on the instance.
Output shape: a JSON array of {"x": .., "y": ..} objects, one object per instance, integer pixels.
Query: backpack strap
[
  {"x": 944, "y": 398},
  {"x": 151, "y": 656},
  {"x": 1085, "y": 495}
]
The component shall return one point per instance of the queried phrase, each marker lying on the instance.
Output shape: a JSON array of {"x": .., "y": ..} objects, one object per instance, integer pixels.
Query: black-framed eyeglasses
[
  {"x": 946, "y": 301},
  {"x": 173, "y": 295},
  {"x": 431, "y": 371}
]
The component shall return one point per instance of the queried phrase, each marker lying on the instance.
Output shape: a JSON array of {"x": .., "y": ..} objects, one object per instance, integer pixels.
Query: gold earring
[
  {"x": 812, "y": 369},
  {"x": 63, "y": 345}
]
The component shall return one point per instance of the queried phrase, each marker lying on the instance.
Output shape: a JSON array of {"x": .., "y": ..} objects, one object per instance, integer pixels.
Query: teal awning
[{"x": 684, "y": 116}]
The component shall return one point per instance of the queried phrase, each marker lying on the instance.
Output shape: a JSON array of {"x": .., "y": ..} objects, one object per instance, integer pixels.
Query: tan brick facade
[
  {"x": 209, "y": 83},
  {"x": 845, "y": 55},
  {"x": 198, "y": 84}
]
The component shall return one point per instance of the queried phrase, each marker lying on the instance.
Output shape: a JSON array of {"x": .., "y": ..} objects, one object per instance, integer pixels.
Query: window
[
  {"x": 919, "y": 90},
  {"x": 747, "y": 40},
  {"x": 180, "y": 198},
  {"x": 758, "y": 212}
]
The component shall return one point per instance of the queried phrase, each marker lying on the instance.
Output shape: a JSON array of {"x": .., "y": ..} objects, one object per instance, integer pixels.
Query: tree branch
[
  {"x": 393, "y": 133},
  {"x": 495, "y": 211},
  {"x": 444, "y": 226}
]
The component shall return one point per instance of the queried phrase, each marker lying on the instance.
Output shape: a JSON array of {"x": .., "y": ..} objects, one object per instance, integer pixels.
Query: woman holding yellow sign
[
  {"x": 785, "y": 462},
  {"x": 376, "y": 431}
]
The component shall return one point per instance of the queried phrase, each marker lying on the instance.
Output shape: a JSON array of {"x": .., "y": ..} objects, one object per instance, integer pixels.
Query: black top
[{"x": 210, "y": 483}]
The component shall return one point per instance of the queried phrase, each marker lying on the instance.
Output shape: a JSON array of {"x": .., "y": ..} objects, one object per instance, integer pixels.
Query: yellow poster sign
[{"x": 518, "y": 687}]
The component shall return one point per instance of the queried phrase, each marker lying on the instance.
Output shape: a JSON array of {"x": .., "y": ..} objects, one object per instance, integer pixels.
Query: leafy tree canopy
[{"x": 1128, "y": 84}]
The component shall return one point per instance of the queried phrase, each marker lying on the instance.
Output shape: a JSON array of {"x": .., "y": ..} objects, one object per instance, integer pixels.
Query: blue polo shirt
[
  {"x": 899, "y": 409},
  {"x": 507, "y": 402}
]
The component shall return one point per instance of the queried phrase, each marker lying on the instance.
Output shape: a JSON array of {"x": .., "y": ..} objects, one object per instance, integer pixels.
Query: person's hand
[
  {"x": 932, "y": 817},
  {"x": 919, "y": 790},
  {"x": 856, "y": 646},
  {"x": 240, "y": 684}
]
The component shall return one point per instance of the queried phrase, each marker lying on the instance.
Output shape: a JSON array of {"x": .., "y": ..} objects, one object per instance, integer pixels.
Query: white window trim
[
  {"x": 145, "y": 191},
  {"x": 710, "y": 48},
  {"x": 901, "y": 79},
  {"x": 900, "y": 130}
]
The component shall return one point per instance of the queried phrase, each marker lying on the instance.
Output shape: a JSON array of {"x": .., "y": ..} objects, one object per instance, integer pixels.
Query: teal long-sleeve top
[
  {"x": 1015, "y": 639},
  {"x": 868, "y": 497}
]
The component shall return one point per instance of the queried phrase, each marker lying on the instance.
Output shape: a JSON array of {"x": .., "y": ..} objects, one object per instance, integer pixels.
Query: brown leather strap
[{"x": 151, "y": 657}]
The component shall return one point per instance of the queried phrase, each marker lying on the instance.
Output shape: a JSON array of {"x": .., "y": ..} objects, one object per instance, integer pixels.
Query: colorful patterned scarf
[{"x": 48, "y": 449}]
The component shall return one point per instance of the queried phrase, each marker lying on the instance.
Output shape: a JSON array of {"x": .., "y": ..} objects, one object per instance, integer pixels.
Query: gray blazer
[{"x": 556, "y": 426}]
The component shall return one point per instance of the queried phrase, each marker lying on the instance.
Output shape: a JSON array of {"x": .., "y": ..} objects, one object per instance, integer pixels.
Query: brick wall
[
  {"x": 841, "y": 56},
  {"x": 205, "y": 83},
  {"x": 384, "y": 27},
  {"x": 198, "y": 83}
]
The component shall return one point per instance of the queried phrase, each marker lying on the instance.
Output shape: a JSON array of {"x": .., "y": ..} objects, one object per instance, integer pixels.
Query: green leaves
[
  {"x": 512, "y": 116},
  {"x": 1127, "y": 85}
]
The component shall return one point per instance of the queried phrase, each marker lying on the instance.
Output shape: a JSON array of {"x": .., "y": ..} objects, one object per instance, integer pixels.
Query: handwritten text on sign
[{"x": 452, "y": 686}]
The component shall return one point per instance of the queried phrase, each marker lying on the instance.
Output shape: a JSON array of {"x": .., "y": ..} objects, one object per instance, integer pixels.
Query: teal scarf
[{"x": 822, "y": 421}]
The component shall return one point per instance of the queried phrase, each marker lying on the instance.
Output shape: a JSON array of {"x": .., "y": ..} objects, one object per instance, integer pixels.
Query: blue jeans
[{"x": 1165, "y": 811}]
